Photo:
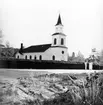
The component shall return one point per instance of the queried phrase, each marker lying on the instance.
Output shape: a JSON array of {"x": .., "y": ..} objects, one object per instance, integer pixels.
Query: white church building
[{"x": 57, "y": 50}]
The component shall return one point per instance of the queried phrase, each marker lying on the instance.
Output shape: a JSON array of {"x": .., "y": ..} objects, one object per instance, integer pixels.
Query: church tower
[{"x": 58, "y": 38}]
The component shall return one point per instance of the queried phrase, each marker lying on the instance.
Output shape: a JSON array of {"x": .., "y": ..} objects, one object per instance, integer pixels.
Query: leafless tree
[
  {"x": 1, "y": 36},
  {"x": 7, "y": 44}
]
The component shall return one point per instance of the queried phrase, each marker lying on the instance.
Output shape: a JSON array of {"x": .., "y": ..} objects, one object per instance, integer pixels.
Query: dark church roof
[
  {"x": 59, "y": 22},
  {"x": 36, "y": 48}
]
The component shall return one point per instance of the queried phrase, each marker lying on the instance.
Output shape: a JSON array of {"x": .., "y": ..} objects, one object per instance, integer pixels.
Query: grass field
[
  {"x": 67, "y": 87},
  {"x": 15, "y": 73}
]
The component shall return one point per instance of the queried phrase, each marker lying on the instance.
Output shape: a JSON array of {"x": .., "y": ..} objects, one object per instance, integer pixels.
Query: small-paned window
[
  {"x": 53, "y": 57},
  {"x": 35, "y": 58},
  {"x": 26, "y": 57},
  {"x": 30, "y": 57},
  {"x": 62, "y": 41},
  {"x": 55, "y": 41},
  {"x": 18, "y": 56},
  {"x": 40, "y": 57}
]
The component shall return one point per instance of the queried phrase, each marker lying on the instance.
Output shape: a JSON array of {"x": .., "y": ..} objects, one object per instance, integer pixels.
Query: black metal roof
[
  {"x": 36, "y": 48},
  {"x": 59, "y": 22}
]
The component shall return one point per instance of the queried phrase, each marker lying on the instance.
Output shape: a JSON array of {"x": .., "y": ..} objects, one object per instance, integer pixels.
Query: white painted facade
[
  {"x": 47, "y": 55},
  {"x": 59, "y": 37},
  {"x": 57, "y": 51}
]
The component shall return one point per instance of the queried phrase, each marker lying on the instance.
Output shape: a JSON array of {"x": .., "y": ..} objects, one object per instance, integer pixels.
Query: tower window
[
  {"x": 30, "y": 57},
  {"x": 62, "y": 41},
  {"x": 26, "y": 57},
  {"x": 53, "y": 57},
  {"x": 55, "y": 41},
  {"x": 40, "y": 57}
]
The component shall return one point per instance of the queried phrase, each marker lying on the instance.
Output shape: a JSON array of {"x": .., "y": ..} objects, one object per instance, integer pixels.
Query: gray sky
[{"x": 32, "y": 22}]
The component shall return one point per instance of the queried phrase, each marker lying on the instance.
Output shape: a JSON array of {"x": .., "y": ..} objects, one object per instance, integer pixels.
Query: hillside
[{"x": 40, "y": 88}]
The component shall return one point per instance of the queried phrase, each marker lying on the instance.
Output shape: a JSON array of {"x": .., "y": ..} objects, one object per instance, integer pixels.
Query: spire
[{"x": 59, "y": 21}]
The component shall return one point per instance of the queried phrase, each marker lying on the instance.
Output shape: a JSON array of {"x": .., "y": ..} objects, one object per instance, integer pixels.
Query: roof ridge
[{"x": 40, "y": 45}]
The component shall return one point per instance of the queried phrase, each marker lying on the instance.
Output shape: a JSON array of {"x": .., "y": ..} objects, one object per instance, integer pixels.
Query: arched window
[
  {"x": 53, "y": 57},
  {"x": 55, "y": 41},
  {"x": 62, "y": 41},
  {"x": 26, "y": 57},
  {"x": 35, "y": 58},
  {"x": 30, "y": 57},
  {"x": 18, "y": 56},
  {"x": 40, "y": 57}
]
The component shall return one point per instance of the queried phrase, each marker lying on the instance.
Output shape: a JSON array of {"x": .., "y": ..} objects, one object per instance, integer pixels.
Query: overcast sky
[{"x": 32, "y": 22}]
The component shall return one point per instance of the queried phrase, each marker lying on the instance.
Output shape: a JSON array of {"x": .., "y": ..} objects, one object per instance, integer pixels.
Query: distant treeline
[{"x": 41, "y": 64}]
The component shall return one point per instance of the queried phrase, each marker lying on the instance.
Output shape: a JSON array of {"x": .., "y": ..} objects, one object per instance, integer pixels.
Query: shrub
[{"x": 62, "y": 99}]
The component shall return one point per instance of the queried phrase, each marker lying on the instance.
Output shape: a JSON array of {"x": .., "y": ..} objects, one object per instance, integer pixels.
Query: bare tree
[
  {"x": 73, "y": 55},
  {"x": 95, "y": 56},
  {"x": 7, "y": 44},
  {"x": 101, "y": 58},
  {"x": 79, "y": 57},
  {"x": 1, "y": 36}
]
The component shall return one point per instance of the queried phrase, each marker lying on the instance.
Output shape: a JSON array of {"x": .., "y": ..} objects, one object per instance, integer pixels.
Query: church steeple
[
  {"x": 59, "y": 26},
  {"x": 59, "y": 22},
  {"x": 59, "y": 38}
]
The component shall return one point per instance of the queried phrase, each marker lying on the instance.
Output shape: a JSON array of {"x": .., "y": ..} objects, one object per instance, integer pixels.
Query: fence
[{"x": 42, "y": 64}]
